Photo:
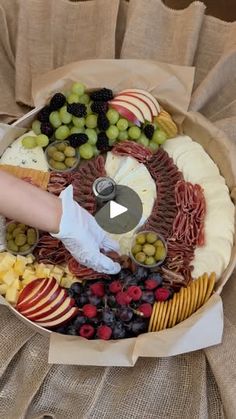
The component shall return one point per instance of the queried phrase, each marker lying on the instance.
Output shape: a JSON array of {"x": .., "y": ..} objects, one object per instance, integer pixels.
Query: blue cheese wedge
[{"x": 17, "y": 155}]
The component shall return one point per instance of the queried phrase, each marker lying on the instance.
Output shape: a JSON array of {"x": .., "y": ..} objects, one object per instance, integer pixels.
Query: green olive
[
  {"x": 150, "y": 260},
  {"x": 149, "y": 249},
  {"x": 69, "y": 151},
  {"x": 140, "y": 257},
  {"x": 61, "y": 147},
  {"x": 151, "y": 237},
  {"x": 141, "y": 238},
  {"x": 11, "y": 227},
  {"x": 9, "y": 236},
  {"x": 17, "y": 231},
  {"x": 59, "y": 165},
  {"x": 12, "y": 246},
  {"x": 31, "y": 236},
  {"x": 21, "y": 226},
  {"x": 136, "y": 248},
  {"x": 160, "y": 253},
  {"x": 159, "y": 243},
  {"x": 58, "y": 156},
  {"x": 20, "y": 239},
  {"x": 51, "y": 150},
  {"x": 70, "y": 161},
  {"x": 24, "y": 248}
]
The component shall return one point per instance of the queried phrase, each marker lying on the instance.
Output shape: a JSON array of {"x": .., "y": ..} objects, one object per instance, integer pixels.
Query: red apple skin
[
  {"x": 144, "y": 93},
  {"x": 142, "y": 98},
  {"x": 39, "y": 315},
  {"x": 57, "y": 314},
  {"x": 39, "y": 304},
  {"x": 125, "y": 113},
  {"x": 35, "y": 286},
  {"x": 61, "y": 321},
  {"x": 125, "y": 98}
]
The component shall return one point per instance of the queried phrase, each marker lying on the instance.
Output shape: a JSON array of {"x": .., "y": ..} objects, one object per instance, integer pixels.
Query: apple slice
[
  {"x": 41, "y": 301},
  {"x": 155, "y": 107},
  {"x": 67, "y": 304},
  {"x": 145, "y": 100},
  {"x": 139, "y": 103},
  {"x": 50, "y": 308},
  {"x": 128, "y": 111},
  {"x": 62, "y": 320},
  {"x": 32, "y": 289}
]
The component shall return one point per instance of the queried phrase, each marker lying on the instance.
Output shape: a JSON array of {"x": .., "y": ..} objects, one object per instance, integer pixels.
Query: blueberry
[
  {"x": 75, "y": 289},
  {"x": 95, "y": 300},
  {"x": 111, "y": 301},
  {"x": 125, "y": 314},
  {"x": 108, "y": 316},
  {"x": 123, "y": 274},
  {"x": 61, "y": 329},
  {"x": 118, "y": 331},
  {"x": 79, "y": 321},
  {"x": 81, "y": 300},
  {"x": 130, "y": 280},
  {"x": 141, "y": 273},
  {"x": 71, "y": 330},
  {"x": 139, "y": 326},
  {"x": 148, "y": 297}
]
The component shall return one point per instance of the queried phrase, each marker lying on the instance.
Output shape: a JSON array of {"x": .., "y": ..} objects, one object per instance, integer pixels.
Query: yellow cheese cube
[
  {"x": 68, "y": 280},
  {"x": 10, "y": 277},
  {"x": 16, "y": 284},
  {"x": 7, "y": 262},
  {"x": 12, "y": 295},
  {"x": 58, "y": 277},
  {"x": 29, "y": 273},
  {"x": 20, "y": 264},
  {"x": 30, "y": 259},
  {"x": 27, "y": 281},
  {"x": 58, "y": 270},
  {"x": 3, "y": 289}
]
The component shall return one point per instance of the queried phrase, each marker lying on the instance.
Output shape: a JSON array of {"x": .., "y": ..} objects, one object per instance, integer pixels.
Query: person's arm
[{"x": 28, "y": 204}]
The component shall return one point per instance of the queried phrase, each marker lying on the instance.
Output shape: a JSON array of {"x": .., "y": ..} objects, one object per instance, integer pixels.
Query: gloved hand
[{"x": 83, "y": 237}]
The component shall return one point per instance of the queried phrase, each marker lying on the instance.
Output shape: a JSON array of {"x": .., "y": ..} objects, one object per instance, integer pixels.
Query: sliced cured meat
[{"x": 131, "y": 148}]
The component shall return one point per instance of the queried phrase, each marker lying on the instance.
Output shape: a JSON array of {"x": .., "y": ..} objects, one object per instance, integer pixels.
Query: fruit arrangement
[
  {"x": 93, "y": 122},
  {"x": 20, "y": 238},
  {"x": 148, "y": 249},
  {"x": 61, "y": 156}
]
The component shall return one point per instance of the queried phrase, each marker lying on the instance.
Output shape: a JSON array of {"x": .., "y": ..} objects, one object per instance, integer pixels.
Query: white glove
[{"x": 83, "y": 237}]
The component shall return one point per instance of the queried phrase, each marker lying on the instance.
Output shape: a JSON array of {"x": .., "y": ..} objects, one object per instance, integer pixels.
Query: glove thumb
[
  {"x": 110, "y": 244},
  {"x": 107, "y": 266}
]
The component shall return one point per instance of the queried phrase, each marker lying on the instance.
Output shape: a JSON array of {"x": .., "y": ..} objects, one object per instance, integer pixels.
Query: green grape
[
  {"x": 112, "y": 116},
  {"x": 92, "y": 136},
  {"x": 123, "y": 135},
  {"x": 55, "y": 120},
  {"x": 75, "y": 130},
  {"x": 29, "y": 142},
  {"x": 84, "y": 99},
  {"x": 42, "y": 140},
  {"x": 36, "y": 127},
  {"x": 96, "y": 152},
  {"x": 112, "y": 132},
  {"x": 65, "y": 116},
  {"x": 62, "y": 132},
  {"x": 78, "y": 122},
  {"x": 143, "y": 140},
  {"x": 78, "y": 88},
  {"x": 112, "y": 142},
  {"x": 153, "y": 146},
  {"x": 131, "y": 124},
  {"x": 91, "y": 121},
  {"x": 86, "y": 151},
  {"x": 134, "y": 132},
  {"x": 73, "y": 98},
  {"x": 122, "y": 124},
  {"x": 159, "y": 137},
  {"x": 89, "y": 111}
]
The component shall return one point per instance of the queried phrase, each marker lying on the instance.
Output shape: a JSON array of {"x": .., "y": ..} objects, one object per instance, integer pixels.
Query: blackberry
[
  {"x": 99, "y": 107},
  {"x": 47, "y": 129},
  {"x": 77, "y": 109},
  {"x": 77, "y": 140},
  {"x": 102, "y": 142},
  {"x": 149, "y": 131},
  {"x": 43, "y": 115},
  {"x": 102, "y": 95},
  {"x": 57, "y": 101},
  {"x": 103, "y": 122}
]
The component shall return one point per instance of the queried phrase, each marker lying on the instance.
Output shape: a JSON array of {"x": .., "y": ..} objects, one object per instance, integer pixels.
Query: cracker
[
  {"x": 172, "y": 311},
  {"x": 156, "y": 316},
  {"x": 152, "y": 317},
  {"x": 211, "y": 284},
  {"x": 163, "y": 315},
  {"x": 188, "y": 302},
  {"x": 176, "y": 310},
  {"x": 200, "y": 291},
  {"x": 205, "y": 286},
  {"x": 185, "y": 302},
  {"x": 166, "y": 320},
  {"x": 181, "y": 303},
  {"x": 196, "y": 287},
  {"x": 159, "y": 316}
]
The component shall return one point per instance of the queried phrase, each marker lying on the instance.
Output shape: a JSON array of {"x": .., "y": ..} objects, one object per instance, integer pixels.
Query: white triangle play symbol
[{"x": 116, "y": 209}]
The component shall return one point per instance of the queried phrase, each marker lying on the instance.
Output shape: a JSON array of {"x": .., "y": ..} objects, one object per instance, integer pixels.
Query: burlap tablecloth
[{"x": 37, "y": 36}]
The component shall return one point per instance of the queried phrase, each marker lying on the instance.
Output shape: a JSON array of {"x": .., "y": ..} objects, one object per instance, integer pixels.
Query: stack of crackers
[
  {"x": 37, "y": 177},
  {"x": 166, "y": 314},
  {"x": 166, "y": 123}
]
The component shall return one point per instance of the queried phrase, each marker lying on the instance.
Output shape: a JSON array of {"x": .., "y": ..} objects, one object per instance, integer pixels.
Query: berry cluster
[{"x": 117, "y": 308}]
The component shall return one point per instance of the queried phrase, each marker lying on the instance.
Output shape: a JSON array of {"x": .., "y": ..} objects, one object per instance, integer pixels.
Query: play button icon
[
  {"x": 116, "y": 209},
  {"x": 123, "y": 213}
]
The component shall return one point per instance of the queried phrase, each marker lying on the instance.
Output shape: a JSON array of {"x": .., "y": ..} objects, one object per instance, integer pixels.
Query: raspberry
[
  {"x": 102, "y": 95},
  {"x": 123, "y": 298},
  {"x": 134, "y": 292},
  {"x": 146, "y": 309},
  {"x": 151, "y": 284},
  {"x": 99, "y": 107},
  {"x": 115, "y": 287},
  {"x": 87, "y": 331},
  {"x": 162, "y": 294},
  {"x": 77, "y": 140},
  {"x": 149, "y": 131},
  {"x": 104, "y": 332},
  {"x": 77, "y": 109},
  {"x": 98, "y": 289},
  {"x": 57, "y": 101},
  {"x": 103, "y": 122},
  {"x": 102, "y": 142},
  {"x": 46, "y": 128},
  {"x": 89, "y": 310}
]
